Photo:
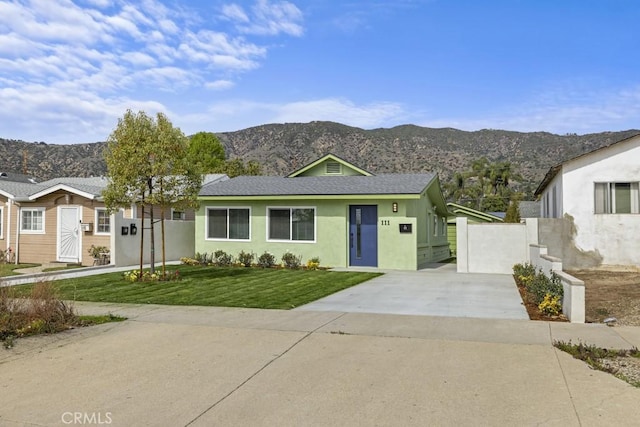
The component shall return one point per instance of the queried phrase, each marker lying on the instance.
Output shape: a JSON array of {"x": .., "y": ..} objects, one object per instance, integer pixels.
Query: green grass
[
  {"x": 7, "y": 269},
  {"x": 90, "y": 320},
  {"x": 214, "y": 286}
]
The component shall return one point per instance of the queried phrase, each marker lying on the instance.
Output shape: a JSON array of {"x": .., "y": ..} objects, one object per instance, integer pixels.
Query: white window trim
[
  {"x": 183, "y": 215},
  {"x": 1, "y": 222},
  {"x": 315, "y": 224},
  {"x": 44, "y": 226},
  {"x": 95, "y": 227},
  {"x": 610, "y": 197},
  {"x": 218, "y": 239}
]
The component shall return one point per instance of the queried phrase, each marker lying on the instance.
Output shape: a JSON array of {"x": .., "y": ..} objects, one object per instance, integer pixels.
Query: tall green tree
[
  {"x": 148, "y": 166},
  {"x": 484, "y": 186},
  {"x": 206, "y": 150}
]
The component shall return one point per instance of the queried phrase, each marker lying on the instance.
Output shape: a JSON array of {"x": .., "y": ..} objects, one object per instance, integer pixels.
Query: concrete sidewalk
[{"x": 203, "y": 366}]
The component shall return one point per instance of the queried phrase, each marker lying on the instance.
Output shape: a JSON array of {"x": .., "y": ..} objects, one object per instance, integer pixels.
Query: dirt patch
[{"x": 611, "y": 294}]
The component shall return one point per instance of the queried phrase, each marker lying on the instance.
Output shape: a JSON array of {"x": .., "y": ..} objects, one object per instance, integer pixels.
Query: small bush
[
  {"x": 203, "y": 259},
  {"x": 147, "y": 276},
  {"x": 313, "y": 263},
  {"x": 291, "y": 261},
  {"x": 266, "y": 260},
  {"x": 222, "y": 259},
  {"x": 189, "y": 261},
  {"x": 40, "y": 312},
  {"x": 550, "y": 305},
  {"x": 527, "y": 270},
  {"x": 541, "y": 285},
  {"x": 246, "y": 258}
]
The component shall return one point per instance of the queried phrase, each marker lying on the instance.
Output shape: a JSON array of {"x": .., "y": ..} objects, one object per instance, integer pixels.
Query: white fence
[
  {"x": 495, "y": 248},
  {"x": 125, "y": 240}
]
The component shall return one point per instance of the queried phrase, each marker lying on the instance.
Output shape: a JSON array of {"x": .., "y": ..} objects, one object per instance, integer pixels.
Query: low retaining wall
[{"x": 573, "y": 300}]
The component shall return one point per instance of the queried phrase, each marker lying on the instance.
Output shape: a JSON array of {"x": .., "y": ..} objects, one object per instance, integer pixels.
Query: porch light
[{"x": 394, "y": 206}]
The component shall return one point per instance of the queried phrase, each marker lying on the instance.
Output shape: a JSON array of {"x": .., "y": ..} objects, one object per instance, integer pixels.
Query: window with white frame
[
  {"x": 103, "y": 222},
  {"x": 617, "y": 197},
  {"x": 32, "y": 220},
  {"x": 294, "y": 224},
  {"x": 177, "y": 215},
  {"x": 1, "y": 222},
  {"x": 228, "y": 223}
]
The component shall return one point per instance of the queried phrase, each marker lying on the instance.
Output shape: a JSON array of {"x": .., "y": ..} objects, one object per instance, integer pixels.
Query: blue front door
[{"x": 363, "y": 236}]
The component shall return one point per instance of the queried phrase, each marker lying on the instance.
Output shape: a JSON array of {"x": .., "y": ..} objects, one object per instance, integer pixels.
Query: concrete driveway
[
  {"x": 211, "y": 366},
  {"x": 436, "y": 291}
]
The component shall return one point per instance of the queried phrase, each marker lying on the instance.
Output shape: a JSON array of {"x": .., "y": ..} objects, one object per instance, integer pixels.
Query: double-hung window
[
  {"x": 103, "y": 221},
  {"x": 32, "y": 220},
  {"x": 294, "y": 224},
  {"x": 228, "y": 223},
  {"x": 617, "y": 198}
]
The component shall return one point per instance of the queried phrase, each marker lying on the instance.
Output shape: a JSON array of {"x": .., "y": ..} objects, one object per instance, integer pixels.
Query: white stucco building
[{"x": 599, "y": 192}]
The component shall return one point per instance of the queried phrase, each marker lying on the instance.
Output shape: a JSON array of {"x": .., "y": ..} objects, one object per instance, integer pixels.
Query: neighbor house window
[
  {"x": 617, "y": 197},
  {"x": 1, "y": 222},
  {"x": 295, "y": 224},
  {"x": 32, "y": 220},
  {"x": 228, "y": 223},
  {"x": 103, "y": 222},
  {"x": 177, "y": 215}
]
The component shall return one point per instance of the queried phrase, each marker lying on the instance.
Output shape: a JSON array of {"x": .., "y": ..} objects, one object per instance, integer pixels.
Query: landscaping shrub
[
  {"x": 291, "y": 261},
  {"x": 550, "y": 305},
  {"x": 40, "y": 312},
  {"x": 246, "y": 258},
  {"x": 266, "y": 260},
  {"x": 313, "y": 263},
  {"x": 222, "y": 259},
  {"x": 189, "y": 261},
  {"x": 203, "y": 259},
  {"x": 147, "y": 276},
  {"x": 524, "y": 271},
  {"x": 541, "y": 285}
]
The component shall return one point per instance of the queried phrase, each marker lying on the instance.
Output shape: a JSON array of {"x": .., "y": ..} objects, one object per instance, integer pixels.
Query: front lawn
[
  {"x": 6, "y": 269},
  {"x": 215, "y": 286}
]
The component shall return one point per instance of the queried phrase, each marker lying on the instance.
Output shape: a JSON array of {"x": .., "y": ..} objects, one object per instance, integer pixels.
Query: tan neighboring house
[{"x": 58, "y": 220}]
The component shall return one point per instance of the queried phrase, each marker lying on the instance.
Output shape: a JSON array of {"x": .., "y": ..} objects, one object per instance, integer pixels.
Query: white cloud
[
  {"x": 234, "y": 12},
  {"x": 219, "y": 85},
  {"x": 266, "y": 18},
  {"x": 91, "y": 59},
  {"x": 559, "y": 110},
  {"x": 239, "y": 114}
]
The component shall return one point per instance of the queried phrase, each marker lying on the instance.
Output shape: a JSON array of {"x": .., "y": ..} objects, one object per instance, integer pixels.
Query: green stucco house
[{"x": 329, "y": 209}]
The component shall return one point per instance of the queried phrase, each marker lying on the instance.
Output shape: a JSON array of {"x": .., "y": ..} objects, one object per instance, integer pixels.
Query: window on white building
[{"x": 616, "y": 197}]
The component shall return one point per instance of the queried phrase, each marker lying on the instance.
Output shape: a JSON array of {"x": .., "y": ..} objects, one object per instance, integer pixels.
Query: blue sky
[{"x": 70, "y": 68}]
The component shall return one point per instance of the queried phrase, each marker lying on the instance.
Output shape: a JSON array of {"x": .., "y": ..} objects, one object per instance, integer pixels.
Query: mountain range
[{"x": 282, "y": 148}]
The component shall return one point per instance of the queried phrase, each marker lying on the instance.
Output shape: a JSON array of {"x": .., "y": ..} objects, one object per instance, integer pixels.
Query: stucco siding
[{"x": 611, "y": 235}]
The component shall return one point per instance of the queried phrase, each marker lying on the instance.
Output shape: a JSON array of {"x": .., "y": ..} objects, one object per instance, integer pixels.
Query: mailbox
[{"x": 405, "y": 228}]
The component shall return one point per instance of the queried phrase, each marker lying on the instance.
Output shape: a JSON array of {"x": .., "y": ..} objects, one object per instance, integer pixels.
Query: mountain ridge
[{"x": 284, "y": 147}]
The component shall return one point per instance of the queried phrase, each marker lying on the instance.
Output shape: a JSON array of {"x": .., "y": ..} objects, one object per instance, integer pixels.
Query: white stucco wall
[
  {"x": 179, "y": 241},
  {"x": 613, "y": 236},
  {"x": 490, "y": 247}
]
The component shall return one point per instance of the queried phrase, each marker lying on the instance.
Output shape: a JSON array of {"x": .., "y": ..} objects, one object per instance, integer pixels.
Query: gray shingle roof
[
  {"x": 92, "y": 185},
  {"x": 319, "y": 185}
]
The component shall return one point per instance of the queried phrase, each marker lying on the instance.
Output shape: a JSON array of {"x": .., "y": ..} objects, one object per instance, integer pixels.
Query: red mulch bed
[{"x": 532, "y": 308}]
